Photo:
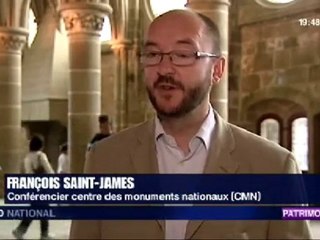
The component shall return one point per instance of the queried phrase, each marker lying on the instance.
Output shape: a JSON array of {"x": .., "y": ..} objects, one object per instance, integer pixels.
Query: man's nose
[{"x": 166, "y": 66}]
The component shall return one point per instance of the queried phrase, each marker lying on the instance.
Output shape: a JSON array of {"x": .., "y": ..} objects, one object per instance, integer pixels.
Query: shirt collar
[
  {"x": 207, "y": 128},
  {"x": 159, "y": 131},
  {"x": 204, "y": 132}
]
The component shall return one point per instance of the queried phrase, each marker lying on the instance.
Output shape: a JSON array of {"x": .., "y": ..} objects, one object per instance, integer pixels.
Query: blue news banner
[{"x": 164, "y": 196}]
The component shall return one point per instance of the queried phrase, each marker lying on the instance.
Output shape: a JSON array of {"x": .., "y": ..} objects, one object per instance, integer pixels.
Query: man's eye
[
  {"x": 151, "y": 54},
  {"x": 183, "y": 54}
]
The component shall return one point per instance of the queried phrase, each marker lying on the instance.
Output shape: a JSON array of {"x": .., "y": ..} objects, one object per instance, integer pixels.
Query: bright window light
[
  {"x": 33, "y": 27},
  {"x": 300, "y": 142},
  {"x": 275, "y": 3},
  {"x": 106, "y": 30},
  {"x": 270, "y": 129},
  {"x": 280, "y": 1},
  {"x": 160, "y": 6}
]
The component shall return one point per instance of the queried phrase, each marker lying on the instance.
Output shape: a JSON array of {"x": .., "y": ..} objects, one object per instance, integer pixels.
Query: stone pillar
[
  {"x": 137, "y": 97},
  {"x": 83, "y": 21},
  {"x": 218, "y": 11},
  {"x": 286, "y": 131},
  {"x": 313, "y": 142},
  {"x": 311, "y": 138},
  {"x": 120, "y": 49},
  {"x": 13, "y": 36}
]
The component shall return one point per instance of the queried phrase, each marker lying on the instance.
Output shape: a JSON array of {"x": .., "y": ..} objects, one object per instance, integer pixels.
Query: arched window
[
  {"x": 158, "y": 7},
  {"x": 299, "y": 141},
  {"x": 275, "y": 3},
  {"x": 280, "y": 1},
  {"x": 270, "y": 129},
  {"x": 33, "y": 27},
  {"x": 106, "y": 30}
]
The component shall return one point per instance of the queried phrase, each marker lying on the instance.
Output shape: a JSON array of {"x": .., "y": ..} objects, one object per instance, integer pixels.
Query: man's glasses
[{"x": 177, "y": 57}]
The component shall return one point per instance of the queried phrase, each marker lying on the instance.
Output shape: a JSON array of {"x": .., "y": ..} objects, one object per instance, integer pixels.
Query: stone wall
[
  {"x": 280, "y": 53},
  {"x": 234, "y": 61},
  {"x": 279, "y": 68},
  {"x": 275, "y": 52},
  {"x": 108, "y": 78}
]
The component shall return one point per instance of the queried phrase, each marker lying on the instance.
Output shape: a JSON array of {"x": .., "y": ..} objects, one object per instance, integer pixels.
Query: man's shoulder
[
  {"x": 98, "y": 137},
  {"x": 251, "y": 138},
  {"x": 259, "y": 155},
  {"x": 252, "y": 143},
  {"x": 112, "y": 154},
  {"x": 123, "y": 137},
  {"x": 41, "y": 155}
]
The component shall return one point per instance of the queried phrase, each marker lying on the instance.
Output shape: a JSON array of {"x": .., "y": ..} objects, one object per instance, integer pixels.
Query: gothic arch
[
  {"x": 39, "y": 9},
  {"x": 275, "y": 93},
  {"x": 119, "y": 19},
  {"x": 315, "y": 106},
  {"x": 148, "y": 10}
]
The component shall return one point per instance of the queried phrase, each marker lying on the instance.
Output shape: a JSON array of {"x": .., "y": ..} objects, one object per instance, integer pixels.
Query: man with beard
[{"x": 182, "y": 61}]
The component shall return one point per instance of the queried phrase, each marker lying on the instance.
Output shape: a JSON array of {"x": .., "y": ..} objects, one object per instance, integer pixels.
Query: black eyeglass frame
[{"x": 197, "y": 55}]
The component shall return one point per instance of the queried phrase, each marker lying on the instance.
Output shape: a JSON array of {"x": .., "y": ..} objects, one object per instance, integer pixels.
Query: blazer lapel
[
  {"x": 219, "y": 157},
  {"x": 219, "y": 160},
  {"x": 143, "y": 151},
  {"x": 143, "y": 154}
]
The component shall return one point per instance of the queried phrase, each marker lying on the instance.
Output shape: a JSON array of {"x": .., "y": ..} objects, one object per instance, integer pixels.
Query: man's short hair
[
  {"x": 36, "y": 143},
  {"x": 64, "y": 147},
  {"x": 212, "y": 31},
  {"x": 103, "y": 119}
]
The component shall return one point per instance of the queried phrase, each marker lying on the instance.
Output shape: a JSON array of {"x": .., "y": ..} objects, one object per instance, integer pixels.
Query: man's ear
[{"x": 218, "y": 69}]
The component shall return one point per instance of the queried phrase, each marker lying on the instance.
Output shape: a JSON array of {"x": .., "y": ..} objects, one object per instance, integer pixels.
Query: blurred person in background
[
  {"x": 35, "y": 162},
  {"x": 105, "y": 130},
  {"x": 63, "y": 160}
]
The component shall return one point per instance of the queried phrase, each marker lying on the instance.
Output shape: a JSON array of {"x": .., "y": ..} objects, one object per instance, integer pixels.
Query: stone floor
[{"x": 60, "y": 229}]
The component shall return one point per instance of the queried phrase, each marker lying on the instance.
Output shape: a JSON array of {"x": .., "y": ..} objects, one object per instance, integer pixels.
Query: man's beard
[{"x": 192, "y": 98}]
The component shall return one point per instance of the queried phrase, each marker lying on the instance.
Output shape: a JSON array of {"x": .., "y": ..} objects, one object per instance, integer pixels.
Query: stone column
[
  {"x": 13, "y": 36},
  {"x": 311, "y": 137},
  {"x": 285, "y": 134},
  {"x": 218, "y": 11},
  {"x": 313, "y": 141},
  {"x": 120, "y": 49},
  {"x": 83, "y": 21}
]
